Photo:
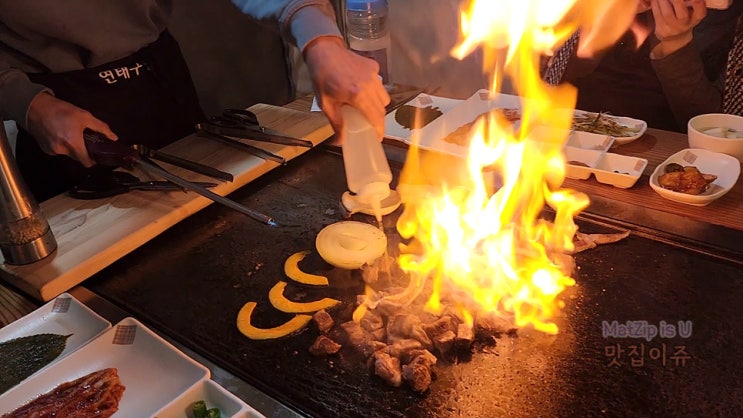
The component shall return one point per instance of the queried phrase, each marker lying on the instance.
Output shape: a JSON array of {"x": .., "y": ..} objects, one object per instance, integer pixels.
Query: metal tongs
[
  {"x": 115, "y": 154},
  {"x": 241, "y": 123}
]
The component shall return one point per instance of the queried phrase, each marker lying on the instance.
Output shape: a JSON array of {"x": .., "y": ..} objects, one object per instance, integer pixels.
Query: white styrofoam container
[
  {"x": 153, "y": 371},
  {"x": 581, "y": 162},
  {"x": 619, "y": 170},
  {"x": 63, "y": 315}
]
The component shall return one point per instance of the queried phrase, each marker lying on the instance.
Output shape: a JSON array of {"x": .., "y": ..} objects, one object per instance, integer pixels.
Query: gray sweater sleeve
[
  {"x": 301, "y": 21},
  {"x": 16, "y": 93},
  {"x": 686, "y": 86}
]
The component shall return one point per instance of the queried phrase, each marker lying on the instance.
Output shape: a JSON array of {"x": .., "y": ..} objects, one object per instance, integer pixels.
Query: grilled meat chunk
[
  {"x": 417, "y": 373},
  {"x": 407, "y": 326},
  {"x": 323, "y": 320},
  {"x": 324, "y": 346},
  {"x": 388, "y": 368}
]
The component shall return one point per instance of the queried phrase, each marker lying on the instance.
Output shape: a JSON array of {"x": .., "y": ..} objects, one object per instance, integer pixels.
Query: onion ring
[{"x": 350, "y": 244}]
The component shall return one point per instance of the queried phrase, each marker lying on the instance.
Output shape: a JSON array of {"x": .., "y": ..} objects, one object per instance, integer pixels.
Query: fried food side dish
[
  {"x": 460, "y": 136},
  {"x": 688, "y": 180}
]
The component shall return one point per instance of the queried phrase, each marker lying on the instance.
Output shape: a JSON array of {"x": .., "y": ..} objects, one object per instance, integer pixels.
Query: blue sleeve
[{"x": 301, "y": 21}]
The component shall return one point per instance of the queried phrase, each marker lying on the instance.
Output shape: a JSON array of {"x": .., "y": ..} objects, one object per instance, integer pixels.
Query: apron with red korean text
[{"x": 146, "y": 98}]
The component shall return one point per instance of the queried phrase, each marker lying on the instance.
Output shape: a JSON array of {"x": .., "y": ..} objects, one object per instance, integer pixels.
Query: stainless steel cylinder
[{"x": 25, "y": 235}]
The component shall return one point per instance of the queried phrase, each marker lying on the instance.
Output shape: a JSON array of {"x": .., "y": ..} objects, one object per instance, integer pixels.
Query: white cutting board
[{"x": 92, "y": 234}]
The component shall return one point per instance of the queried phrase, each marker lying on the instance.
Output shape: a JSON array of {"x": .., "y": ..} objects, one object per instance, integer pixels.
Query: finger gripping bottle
[{"x": 368, "y": 173}]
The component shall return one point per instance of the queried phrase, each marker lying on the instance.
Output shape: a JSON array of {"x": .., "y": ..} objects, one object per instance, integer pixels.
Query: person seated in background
[
  {"x": 113, "y": 67},
  {"x": 668, "y": 68}
]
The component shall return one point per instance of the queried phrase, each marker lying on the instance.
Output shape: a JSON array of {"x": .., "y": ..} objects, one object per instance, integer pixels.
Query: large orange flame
[{"x": 479, "y": 241}]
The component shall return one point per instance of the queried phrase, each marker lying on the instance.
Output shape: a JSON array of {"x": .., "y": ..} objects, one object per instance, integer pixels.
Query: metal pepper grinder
[{"x": 25, "y": 236}]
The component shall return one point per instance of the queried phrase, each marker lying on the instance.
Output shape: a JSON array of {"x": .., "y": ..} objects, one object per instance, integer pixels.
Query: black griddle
[{"x": 191, "y": 281}]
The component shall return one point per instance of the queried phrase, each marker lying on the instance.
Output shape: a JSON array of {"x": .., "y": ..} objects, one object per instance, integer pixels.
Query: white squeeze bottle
[{"x": 368, "y": 173}]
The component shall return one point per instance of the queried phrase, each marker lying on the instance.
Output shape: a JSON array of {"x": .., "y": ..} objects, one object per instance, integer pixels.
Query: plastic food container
[
  {"x": 581, "y": 162},
  {"x": 619, "y": 170},
  {"x": 588, "y": 140}
]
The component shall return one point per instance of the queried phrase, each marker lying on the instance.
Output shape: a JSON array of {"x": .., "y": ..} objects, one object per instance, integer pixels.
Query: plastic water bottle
[
  {"x": 368, "y": 35},
  {"x": 368, "y": 173}
]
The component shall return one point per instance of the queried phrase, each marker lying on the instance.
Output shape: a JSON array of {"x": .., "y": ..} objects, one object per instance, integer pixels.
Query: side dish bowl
[
  {"x": 718, "y": 132},
  {"x": 725, "y": 167}
]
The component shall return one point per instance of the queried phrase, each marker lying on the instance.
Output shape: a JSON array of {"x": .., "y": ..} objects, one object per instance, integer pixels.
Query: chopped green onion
[{"x": 199, "y": 409}]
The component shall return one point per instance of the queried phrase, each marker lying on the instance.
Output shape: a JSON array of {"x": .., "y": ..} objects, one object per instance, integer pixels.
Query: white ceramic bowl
[
  {"x": 725, "y": 167},
  {"x": 619, "y": 170},
  {"x": 715, "y": 123}
]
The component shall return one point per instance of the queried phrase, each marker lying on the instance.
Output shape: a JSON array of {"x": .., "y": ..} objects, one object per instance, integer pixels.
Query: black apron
[{"x": 146, "y": 98}]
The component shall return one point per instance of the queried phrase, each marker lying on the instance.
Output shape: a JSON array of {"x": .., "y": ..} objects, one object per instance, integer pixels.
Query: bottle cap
[
  {"x": 366, "y": 5},
  {"x": 376, "y": 190}
]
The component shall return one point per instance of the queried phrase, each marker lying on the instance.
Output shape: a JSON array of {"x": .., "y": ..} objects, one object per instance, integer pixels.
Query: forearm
[
  {"x": 685, "y": 84},
  {"x": 301, "y": 21},
  {"x": 16, "y": 94}
]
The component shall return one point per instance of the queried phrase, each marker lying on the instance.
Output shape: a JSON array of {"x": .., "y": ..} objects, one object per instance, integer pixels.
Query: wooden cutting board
[{"x": 92, "y": 234}]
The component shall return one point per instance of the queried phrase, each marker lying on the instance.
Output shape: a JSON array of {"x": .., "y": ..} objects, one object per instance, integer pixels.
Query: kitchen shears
[{"x": 242, "y": 123}]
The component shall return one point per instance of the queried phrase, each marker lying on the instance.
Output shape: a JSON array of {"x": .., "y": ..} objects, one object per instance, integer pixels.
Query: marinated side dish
[
  {"x": 21, "y": 357},
  {"x": 460, "y": 136},
  {"x": 94, "y": 395},
  {"x": 685, "y": 179},
  {"x": 602, "y": 123}
]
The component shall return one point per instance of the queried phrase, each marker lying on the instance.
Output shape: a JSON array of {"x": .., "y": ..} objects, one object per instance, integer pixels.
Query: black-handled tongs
[
  {"x": 204, "y": 169},
  {"x": 115, "y": 154},
  {"x": 241, "y": 123},
  {"x": 258, "y": 152}
]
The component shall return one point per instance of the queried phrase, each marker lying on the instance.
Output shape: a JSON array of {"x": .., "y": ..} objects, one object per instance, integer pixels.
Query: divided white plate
[
  {"x": 588, "y": 140},
  {"x": 152, "y": 370},
  {"x": 215, "y": 396},
  {"x": 433, "y": 135},
  {"x": 617, "y": 170},
  {"x": 725, "y": 167},
  {"x": 638, "y": 124},
  {"x": 62, "y": 315},
  {"x": 393, "y": 130}
]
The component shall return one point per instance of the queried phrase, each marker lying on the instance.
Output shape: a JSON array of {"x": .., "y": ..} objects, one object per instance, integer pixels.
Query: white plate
[
  {"x": 215, "y": 396},
  {"x": 641, "y": 125},
  {"x": 433, "y": 136},
  {"x": 62, "y": 315},
  {"x": 394, "y": 130},
  {"x": 725, "y": 167},
  {"x": 152, "y": 370}
]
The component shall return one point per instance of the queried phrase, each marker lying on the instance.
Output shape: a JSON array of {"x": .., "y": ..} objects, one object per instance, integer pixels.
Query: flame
[{"x": 478, "y": 240}]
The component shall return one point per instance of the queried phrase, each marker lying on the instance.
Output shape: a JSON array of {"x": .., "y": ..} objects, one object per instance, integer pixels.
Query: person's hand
[
  {"x": 674, "y": 22},
  {"x": 342, "y": 77},
  {"x": 643, "y": 6},
  {"x": 58, "y": 127}
]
